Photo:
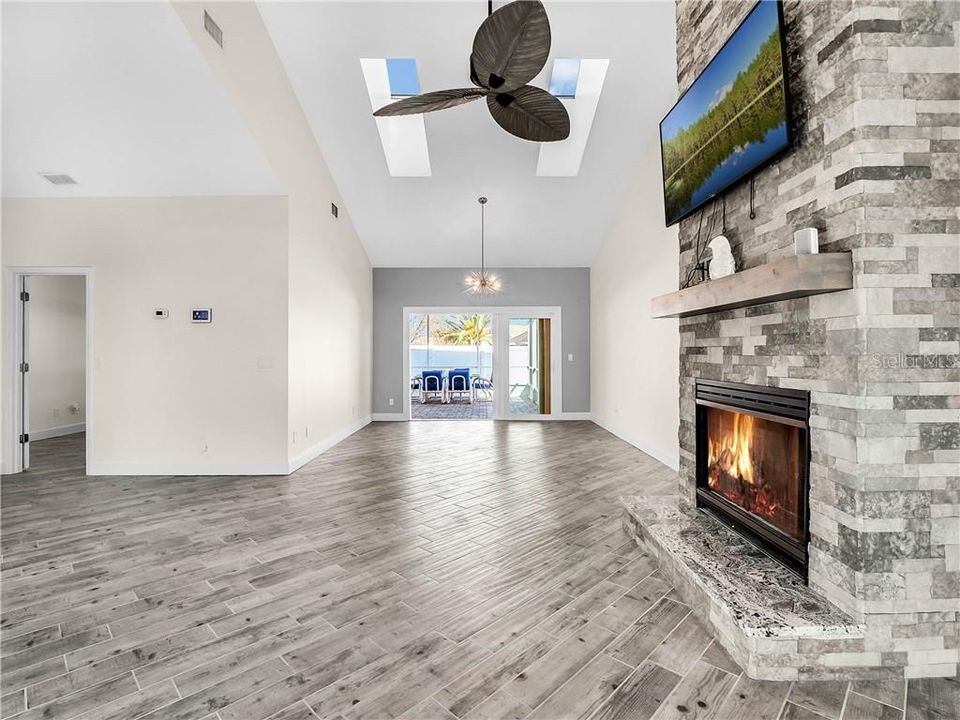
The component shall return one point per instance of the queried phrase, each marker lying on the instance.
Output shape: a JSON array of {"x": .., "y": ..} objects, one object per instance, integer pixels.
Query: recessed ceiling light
[{"x": 59, "y": 178}]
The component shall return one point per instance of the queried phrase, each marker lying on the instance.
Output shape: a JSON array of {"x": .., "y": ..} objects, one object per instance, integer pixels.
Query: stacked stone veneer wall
[{"x": 876, "y": 95}]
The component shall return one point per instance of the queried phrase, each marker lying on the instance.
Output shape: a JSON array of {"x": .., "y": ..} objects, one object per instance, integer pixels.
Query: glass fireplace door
[
  {"x": 755, "y": 464},
  {"x": 752, "y": 464}
]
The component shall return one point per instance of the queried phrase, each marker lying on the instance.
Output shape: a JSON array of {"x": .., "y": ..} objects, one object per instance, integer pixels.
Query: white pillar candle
[{"x": 806, "y": 241}]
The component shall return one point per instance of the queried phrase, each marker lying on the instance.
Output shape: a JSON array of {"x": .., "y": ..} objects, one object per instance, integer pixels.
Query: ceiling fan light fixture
[{"x": 509, "y": 50}]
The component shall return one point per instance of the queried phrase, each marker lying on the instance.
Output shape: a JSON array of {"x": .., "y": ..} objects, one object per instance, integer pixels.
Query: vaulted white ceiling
[
  {"x": 117, "y": 96},
  {"x": 434, "y": 221}
]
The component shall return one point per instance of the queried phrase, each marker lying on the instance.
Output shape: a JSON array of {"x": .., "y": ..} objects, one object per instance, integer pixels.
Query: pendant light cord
[{"x": 482, "y": 237}]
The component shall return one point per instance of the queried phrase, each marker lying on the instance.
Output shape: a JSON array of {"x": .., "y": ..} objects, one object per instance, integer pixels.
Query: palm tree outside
[{"x": 473, "y": 330}]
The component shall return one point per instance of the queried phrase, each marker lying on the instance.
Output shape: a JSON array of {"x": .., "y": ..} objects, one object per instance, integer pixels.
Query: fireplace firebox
[{"x": 753, "y": 459}]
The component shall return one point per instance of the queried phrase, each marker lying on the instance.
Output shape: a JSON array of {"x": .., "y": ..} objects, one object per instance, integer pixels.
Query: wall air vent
[
  {"x": 59, "y": 178},
  {"x": 212, "y": 28}
]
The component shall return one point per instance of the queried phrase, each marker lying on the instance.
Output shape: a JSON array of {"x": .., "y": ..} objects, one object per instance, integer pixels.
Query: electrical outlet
[
  {"x": 204, "y": 447},
  {"x": 294, "y": 436},
  {"x": 391, "y": 402},
  {"x": 569, "y": 357},
  {"x": 306, "y": 431}
]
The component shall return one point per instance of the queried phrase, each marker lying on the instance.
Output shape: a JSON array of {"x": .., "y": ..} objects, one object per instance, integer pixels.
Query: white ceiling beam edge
[
  {"x": 562, "y": 159},
  {"x": 404, "y": 138}
]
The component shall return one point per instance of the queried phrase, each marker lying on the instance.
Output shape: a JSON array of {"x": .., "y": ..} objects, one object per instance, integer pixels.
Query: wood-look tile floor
[{"x": 417, "y": 570}]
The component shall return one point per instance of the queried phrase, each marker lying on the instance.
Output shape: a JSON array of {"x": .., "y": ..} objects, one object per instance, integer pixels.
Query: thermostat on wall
[{"x": 201, "y": 315}]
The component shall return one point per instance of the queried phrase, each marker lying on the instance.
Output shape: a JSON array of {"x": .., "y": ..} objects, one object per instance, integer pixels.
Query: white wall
[
  {"x": 163, "y": 390},
  {"x": 330, "y": 297},
  {"x": 635, "y": 359},
  {"x": 56, "y": 355}
]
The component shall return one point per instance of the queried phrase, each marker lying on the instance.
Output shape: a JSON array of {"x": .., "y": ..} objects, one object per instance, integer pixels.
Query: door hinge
[
  {"x": 24, "y": 296},
  {"x": 24, "y": 367},
  {"x": 24, "y": 439}
]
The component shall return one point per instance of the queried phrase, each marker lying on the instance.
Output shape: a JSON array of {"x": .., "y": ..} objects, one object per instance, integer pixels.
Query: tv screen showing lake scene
[{"x": 731, "y": 121}]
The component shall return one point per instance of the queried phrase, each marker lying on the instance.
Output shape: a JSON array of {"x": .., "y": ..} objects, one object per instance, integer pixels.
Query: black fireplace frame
[{"x": 791, "y": 407}]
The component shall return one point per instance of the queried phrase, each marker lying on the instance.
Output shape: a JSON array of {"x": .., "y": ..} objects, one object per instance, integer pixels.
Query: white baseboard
[
  {"x": 57, "y": 431},
  {"x": 298, "y": 461},
  {"x": 388, "y": 417},
  {"x": 192, "y": 469},
  {"x": 573, "y": 416},
  {"x": 187, "y": 469},
  {"x": 670, "y": 459}
]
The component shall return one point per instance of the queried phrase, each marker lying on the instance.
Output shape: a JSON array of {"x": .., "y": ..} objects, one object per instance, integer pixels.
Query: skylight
[
  {"x": 563, "y": 80},
  {"x": 402, "y": 73},
  {"x": 404, "y": 138},
  {"x": 562, "y": 159}
]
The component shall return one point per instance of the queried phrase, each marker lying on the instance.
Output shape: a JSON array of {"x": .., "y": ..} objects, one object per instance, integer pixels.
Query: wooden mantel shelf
[{"x": 789, "y": 277}]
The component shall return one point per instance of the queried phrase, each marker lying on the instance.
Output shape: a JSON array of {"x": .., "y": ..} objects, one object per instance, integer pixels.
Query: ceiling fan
[{"x": 509, "y": 50}]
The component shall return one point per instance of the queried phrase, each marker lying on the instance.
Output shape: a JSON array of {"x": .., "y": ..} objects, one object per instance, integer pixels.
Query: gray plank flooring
[{"x": 383, "y": 580}]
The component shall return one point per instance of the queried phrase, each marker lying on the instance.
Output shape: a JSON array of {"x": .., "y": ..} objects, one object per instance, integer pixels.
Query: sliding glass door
[
  {"x": 529, "y": 386},
  {"x": 526, "y": 346},
  {"x": 509, "y": 359}
]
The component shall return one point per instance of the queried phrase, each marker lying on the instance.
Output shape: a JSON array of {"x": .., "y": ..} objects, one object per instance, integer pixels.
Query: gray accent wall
[{"x": 397, "y": 288}]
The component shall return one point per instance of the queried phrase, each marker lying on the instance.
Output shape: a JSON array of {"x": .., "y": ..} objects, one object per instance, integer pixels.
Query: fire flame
[
  {"x": 735, "y": 468},
  {"x": 733, "y": 453}
]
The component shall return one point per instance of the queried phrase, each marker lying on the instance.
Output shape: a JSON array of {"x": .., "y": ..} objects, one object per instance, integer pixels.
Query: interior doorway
[
  {"x": 48, "y": 369},
  {"x": 468, "y": 363}
]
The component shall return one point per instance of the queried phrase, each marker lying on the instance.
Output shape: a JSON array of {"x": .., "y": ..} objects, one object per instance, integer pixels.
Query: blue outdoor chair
[
  {"x": 482, "y": 385},
  {"x": 458, "y": 383},
  {"x": 431, "y": 386}
]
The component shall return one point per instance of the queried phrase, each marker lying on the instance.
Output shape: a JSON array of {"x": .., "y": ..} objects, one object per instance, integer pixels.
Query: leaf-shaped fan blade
[
  {"x": 428, "y": 102},
  {"x": 530, "y": 113},
  {"x": 511, "y": 46}
]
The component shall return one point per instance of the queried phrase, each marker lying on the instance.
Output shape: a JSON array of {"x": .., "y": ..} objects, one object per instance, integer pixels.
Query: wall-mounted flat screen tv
[{"x": 732, "y": 120}]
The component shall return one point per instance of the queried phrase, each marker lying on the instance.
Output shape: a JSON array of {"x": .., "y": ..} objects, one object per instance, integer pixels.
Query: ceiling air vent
[
  {"x": 59, "y": 178},
  {"x": 212, "y": 28}
]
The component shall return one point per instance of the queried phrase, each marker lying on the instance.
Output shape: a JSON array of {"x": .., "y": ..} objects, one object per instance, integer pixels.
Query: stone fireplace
[
  {"x": 752, "y": 461},
  {"x": 875, "y": 90}
]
